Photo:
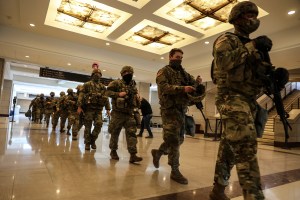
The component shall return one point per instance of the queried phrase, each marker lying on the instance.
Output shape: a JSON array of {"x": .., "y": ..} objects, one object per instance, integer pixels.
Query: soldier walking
[
  {"x": 237, "y": 59},
  {"x": 92, "y": 98},
  {"x": 124, "y": 99},
  {"x": 174, "y": 84}
]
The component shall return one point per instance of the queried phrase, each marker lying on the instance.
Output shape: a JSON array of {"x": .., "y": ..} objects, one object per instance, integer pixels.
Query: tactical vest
[
  {"x": 241, "y": 79},
  {"x": 94, "y": 95},
  {"x": 129, "y": 102}
]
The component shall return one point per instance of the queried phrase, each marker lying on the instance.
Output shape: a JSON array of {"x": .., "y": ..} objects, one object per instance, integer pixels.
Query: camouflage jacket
[
  {"x": 71, "y": 102},
  {"x": 123, "y": 104},
  {"x": 170, "y": 84},
  {"x": 92, "y": 95},
  {"x": 49, "y": 104},
  {"x": 235, "y": 66},
  {"x": 39, "y": 103},
  {"x": 62, "y": 104}
]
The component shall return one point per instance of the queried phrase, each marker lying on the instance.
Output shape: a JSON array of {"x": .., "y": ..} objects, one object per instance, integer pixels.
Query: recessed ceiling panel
[
  {"x": 85, "y": 17},
  {"x": 135, "y": 3},
  {"x": 205, "y": 16},
  {"x": 154, "y": 37}
]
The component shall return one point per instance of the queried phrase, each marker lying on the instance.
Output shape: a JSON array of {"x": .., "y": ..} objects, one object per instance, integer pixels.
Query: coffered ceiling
[{"x": 139, "y": 33}]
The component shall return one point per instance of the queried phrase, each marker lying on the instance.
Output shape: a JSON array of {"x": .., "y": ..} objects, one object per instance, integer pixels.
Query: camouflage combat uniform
[
  {"x": 238, "y": 68},
  {"x": 122, "y": 115},
  {"x": 92, "y": 98},
  {"x": 62, "y": 111},
  {"x": 48, "y": 109},
  {"x": 174, "y": 102},
  {"x": 39, "y": 103},
  {"x": 34, "y": 108},
  {"x": 71, "y": 102}
]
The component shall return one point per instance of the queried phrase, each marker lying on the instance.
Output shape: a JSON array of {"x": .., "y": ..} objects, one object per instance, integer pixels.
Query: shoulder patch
[{"x": 160, "y": 72}]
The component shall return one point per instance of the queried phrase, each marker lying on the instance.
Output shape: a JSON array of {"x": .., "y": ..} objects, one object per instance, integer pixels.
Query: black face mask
[
  {"x": 175, "y": 63},
  {"x": 248, "y": 25},
  {"x": 96, "y": 78},
  {"x": 127, "y": 78},
  {"x": 52, "y": 95}
]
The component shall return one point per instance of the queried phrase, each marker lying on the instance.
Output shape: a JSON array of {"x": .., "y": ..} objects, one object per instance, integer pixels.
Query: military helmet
[
  {"x": 79, "y": 87},
  {"x": 241, "y": 8},
  {"x": 42, "y": 95},
  {"x": 127, "y": 69},
  {"x": 52, "y": 94},
  {"x": 70, "y": 90},
  {"x": 62, "y": 93},
  {"x": 96, "y": 71}
]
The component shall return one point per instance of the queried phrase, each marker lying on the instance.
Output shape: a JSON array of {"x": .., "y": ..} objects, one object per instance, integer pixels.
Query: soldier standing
[
  {"x": 71, "y": 102},
  {"x": 124, "y": 99},
  {"x": 55, "y": 115},
  {"x": 174, "y": 84},
  {"x": 49, "y": 107},
  {"x": 92, "y": 98},
  {"x": 235, "y": 69}
]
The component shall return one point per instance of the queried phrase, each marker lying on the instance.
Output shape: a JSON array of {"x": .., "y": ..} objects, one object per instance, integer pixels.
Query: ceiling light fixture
[
  {"x": 32, "y": 25},
  {"x": 69, "y": 64},
  {"x": 85, "y": 15},
  {"x": 27, "y": 56},
  {"x": 107, "y": 43},
  {"x": 202, "y": 13},
  {"x": 154, "y": 37},
  {"x": 206, "y": 42},
  {"x": 291, "y": 12}
]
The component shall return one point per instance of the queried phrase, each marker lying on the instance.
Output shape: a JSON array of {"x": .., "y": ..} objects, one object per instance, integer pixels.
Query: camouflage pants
[
  {"x": 118, "y": 121},
  {"x": 173, "y": 134},
  {"x": 238, "y": 147},
  {"x": 78, "y": 123},
  {"x": 47, "y": 115},
  {"x": 92, "y": 115},
  {"x": 72, "y": 116},
  {"x": 63, "y": 118},
  {"x": 55, "y": 117},
  {"x": 38, "y": 115}
]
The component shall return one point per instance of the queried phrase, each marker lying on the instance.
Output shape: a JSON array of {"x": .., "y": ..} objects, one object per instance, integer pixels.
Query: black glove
[{"x": 263, "y": 43}]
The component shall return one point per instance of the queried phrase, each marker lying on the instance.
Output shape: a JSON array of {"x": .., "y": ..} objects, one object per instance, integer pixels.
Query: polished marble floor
[{"x": 38, "y": 164}]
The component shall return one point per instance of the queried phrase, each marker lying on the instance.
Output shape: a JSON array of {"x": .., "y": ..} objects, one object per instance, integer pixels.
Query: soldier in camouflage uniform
[
  {"x": 49, "y": 108},
  {"x": 33, "y": 106},
  {"x": 39, "y": 103},
  {"x": 79, "y": 120},
  {"x": 62, "y": 110},
  {"x": 174, "y": 84},
  {"x": 92, "y": 98},
  {"x": 55, "y": 115},
  {"x": 123, "y": 93},
  {"x": 236, "y": 65},
  {"x": 71, "y": 102}
]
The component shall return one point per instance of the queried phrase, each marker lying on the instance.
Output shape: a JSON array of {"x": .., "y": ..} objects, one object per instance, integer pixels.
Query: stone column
[{"x": 6, "y": 98}]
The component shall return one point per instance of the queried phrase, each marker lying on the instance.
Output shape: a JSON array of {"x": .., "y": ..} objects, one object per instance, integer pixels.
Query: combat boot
[
  {"x": 114, "y": 155},
  {"x": 178, "y": 177},
  {"x": 87, "y": 146},
  {"x": 134, "y": 158},
  {"x": 93, "y": 145},
  {"x": 74, "y": 136},
  {"x": 68, "y": 132},
  {"x": 156, "y": 154},
  {"x": 218, "y": 193}
]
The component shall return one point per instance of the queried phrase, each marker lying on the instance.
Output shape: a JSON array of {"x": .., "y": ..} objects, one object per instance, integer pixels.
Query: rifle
[
  {"x": 199, "y": 105},
  {"x": 274, "y": 86}
]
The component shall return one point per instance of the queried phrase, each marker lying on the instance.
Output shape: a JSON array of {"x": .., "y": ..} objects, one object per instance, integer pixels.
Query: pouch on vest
[{"x": 120, "y": 103}]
